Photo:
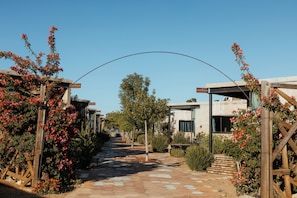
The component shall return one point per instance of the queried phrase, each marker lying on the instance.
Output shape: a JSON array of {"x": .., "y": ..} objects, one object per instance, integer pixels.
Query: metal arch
[{"x": 162, "y": 52}]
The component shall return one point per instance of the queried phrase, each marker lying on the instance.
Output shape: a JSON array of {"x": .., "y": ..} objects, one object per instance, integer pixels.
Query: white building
[
  {"x": 193, "y": 117},
  {"x": 214, "y": 116}
]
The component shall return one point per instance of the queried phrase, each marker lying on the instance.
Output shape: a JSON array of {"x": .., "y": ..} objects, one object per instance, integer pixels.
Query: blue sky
[{"x": 94, "y": 32}]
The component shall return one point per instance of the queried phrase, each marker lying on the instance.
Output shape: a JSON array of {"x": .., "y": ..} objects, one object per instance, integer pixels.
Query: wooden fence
[{"x": 269, "y": 153}]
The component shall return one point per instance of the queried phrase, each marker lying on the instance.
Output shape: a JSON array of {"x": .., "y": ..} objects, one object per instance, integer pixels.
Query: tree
[
  {"x": 138, "y": 104},
  {"x": 116, "y": 120},
  {"x": 192, "y": 100}
]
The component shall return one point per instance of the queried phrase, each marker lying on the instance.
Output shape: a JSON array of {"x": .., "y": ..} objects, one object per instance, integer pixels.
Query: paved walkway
[{"x": 121, "y": 171}]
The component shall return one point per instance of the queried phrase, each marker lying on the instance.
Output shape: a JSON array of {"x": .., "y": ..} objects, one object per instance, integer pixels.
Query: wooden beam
[
  {"x": 294, "y": 182},
  {"x": 284, "y": 141},
  {"x": 283, "y": 85},
  {"x": 281, "y": 171},
  {"x": 75, "y": 85},
  {"x": 286, "y": 97},
  {"x": 278, "y": 191},
  {"x": 282, "y": 127},
  {"x": 201, "y": 90}
]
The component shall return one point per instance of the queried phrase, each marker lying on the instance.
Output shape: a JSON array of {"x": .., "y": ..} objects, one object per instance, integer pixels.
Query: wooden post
[
  {"x": 169, "y": 126},
  {"x": 95, "y": 123},
  {"x": 286, "y": 166},
  {"x": 210, "y": 123},
  {"x": 99, "y": 123},
  {"x": 266, "y": 189},
  {"x": 39, "y": 139},
  {"x": 146, "y": 141}
]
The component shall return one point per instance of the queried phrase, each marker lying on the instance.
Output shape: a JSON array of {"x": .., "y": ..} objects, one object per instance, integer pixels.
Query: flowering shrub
[
  {"x": 19, "y": 103},
  {"x": 47, "y": 186},
  {"x": 246, "y": 134}
]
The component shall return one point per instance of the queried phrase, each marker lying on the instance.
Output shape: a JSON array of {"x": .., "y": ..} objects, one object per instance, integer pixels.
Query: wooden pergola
[
  {"x": 268, "y": 155},
  {"x": 32, "y": 174}
]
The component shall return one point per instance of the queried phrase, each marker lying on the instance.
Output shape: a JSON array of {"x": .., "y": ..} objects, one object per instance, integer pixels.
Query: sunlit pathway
[{"x": 121, "y": 172}]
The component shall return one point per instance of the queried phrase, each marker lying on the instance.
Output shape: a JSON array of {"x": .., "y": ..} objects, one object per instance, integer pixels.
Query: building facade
[{"x": 193, "y": 117}]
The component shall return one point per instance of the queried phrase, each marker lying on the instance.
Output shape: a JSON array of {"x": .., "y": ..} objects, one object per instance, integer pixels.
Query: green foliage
[
  {"x": 179, "y": 138},
  {"x": 191, "y": 100},
  {"x": 198, "y": 158},
  {"x": 159, "y": 143},
  {"x": 138, "y": 104},
  {"x": 136, "y": 134},
  {"x": 218, "y": 143},
  {"x": 116, "y": 120},
  {"x": 102, "y": 138},
  {"x": 231, "y": 149},
  {"x": 141, "y": 138},
  {"x": 200, "y": 139},
  {"x": 85, "y": 148},
  {"x": 177, "y": 152},
  {"x": 15, "y": 149}
]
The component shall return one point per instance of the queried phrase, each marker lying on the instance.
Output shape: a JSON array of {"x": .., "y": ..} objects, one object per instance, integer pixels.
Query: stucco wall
[{"x": 201, "y": 113}]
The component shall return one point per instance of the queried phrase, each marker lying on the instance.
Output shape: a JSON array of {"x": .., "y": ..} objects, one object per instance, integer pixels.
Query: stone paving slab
[{"x": 120, "y": 173}]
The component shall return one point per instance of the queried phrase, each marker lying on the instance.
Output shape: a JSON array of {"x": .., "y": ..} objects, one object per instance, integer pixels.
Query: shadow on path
[
  {"x": 118, "y": 159},
  {"x": 11, "y": 192}
]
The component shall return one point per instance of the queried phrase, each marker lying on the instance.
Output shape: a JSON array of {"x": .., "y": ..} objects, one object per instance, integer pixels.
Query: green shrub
[
  {"x": 177, "y": 152},
  {"x": 102, "y": 137},
  {"x": 85, "y": 146},
  {"x": 141, "y": 138},
  {"x": 218, "y": 143},
  {"x": 159, "y": 143},
  {"x": 232, "y": 149},
  {"x": 179, "y": 138},
  {"x": 136, "y": 134},
  {"x": 198, "y": 158},
  {"x": 83, "y": 149},
  {"x": 200, "y": 138}
]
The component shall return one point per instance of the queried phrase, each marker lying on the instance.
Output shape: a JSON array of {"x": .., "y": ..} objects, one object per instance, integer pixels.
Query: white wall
[{"x": 219, "y": 108}]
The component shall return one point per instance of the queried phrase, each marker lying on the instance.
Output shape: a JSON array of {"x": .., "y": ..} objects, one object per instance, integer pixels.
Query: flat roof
[
  {"x": 184, "y": 106},
  {"x": 289, "y": 79},
  {"x": 238, "y": 89}
]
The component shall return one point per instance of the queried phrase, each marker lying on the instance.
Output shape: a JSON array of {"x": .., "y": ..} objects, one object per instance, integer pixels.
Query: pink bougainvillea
[
  {"x": 246, "y": 131},
  {"x": 19, "y": 103}
]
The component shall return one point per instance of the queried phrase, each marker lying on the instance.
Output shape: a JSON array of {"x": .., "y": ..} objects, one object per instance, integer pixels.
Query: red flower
[{"x": 24, "y": 36}]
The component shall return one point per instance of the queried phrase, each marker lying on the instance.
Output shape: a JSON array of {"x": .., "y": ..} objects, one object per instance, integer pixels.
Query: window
[
  {"x": 186, "y": 126},
  {"x": 221, "y": 124}
]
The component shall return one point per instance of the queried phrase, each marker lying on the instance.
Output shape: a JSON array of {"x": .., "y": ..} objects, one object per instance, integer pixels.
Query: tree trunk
[{"x": 146, "y": 141}]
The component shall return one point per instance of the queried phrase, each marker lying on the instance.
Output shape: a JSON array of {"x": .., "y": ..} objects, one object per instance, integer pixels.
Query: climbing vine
[
  {"x": 247, "y": 134},
  {"x": 19, "y": 104}
]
